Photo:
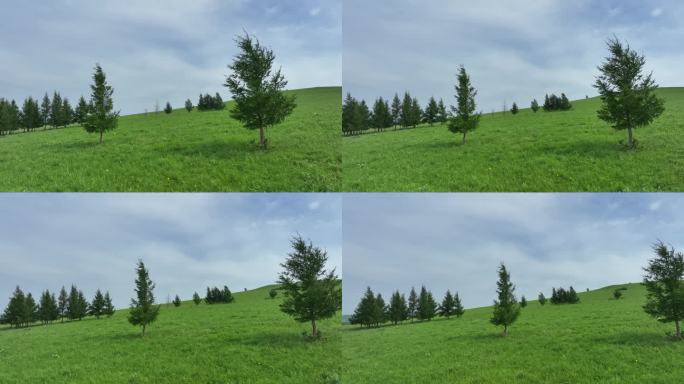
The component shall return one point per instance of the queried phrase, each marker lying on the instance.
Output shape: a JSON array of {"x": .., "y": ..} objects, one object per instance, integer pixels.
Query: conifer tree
[
  {"x": 62, "y": 303},
  {"x": 413, "y": 304},
  {"x": 188, "y": 105},
  {"x": 218, "y": 102},
  {"x": 547, "y": 104},
  {"x": 81, "y": 111},
  {"x": 380, "y": 114},
  {"x": 665, "y": 290},
  {"x": 311, "y": 293},
  {"x": 617, "y": 294},
  {"x": 101, "y": 116},
  {"x": 30, "y": 116},
  {"x": 363, "y": 116},
  {"x": 30, "y": 313},
  {"x": 380, "y": 310},
  {"x": 82, "y": 305},
  {"x": 259, "y": 102},
  {"x": 458, "y": 307},
  {"x": 143, "y": 312},
  {"x": 448, "y": 306},
  {"x": 406, "y": 109},
  {"x": 349, "y": 107},
  {"x": 196, "y": 298},
  {"x": 534, "y": 106},
  {"x": 108, "y": 309},
  {"x": 56, "y": 110},
  {"x": 564, "y": 103},
  {"x": 396, "y": 110},
  {"x": 48, "y": 311},
  {"x": 98, "y": 305},
  {"x": 431, "y": 111},
  {"x": 416, "y": 112},
  {"x": 465, "y": 119},
  {"x": 514, "y": 108},
  {"x": 168, "y": 108},
  {"x": 273, "y": 293},
  {"x": 45, "y": 109},
  {"x": 14, "y": 312},
  {"x": 397, "y": 311},
  {"x": 73, "y": 304},
  {"x": 176, "y": 301},
  {"x": 627, "y": 94},
  {"x": 523, "y": 302},
  {"x": 506, "y": 307},
  {"x": 427, "y": 306},
  {"x": 541, "y": 298},
  {"x": 364, "y": 313}
]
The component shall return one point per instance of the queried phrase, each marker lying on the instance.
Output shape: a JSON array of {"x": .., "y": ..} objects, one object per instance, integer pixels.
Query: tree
[
  {"x": 101, "y": 117},
  {"x": 406, "y": 105},
  {"x": 465, "y": 118},
  {"x": 311, "y": 293},
  {"x": 523, "y": 302},
  {"x": 273, "y": 293},
  {"x": 108, "y": 309},
  {"x": 47, "y": 311},
  {"x": 379, "y": 310},
  {"x": 547, "y": 104},
  {"x": 98, "y": 305},
  {"x": 77, "y": 306},
  {"x": 56, "y": 110},
  {"x": 665, "y": 291},
  {"x": 381, "y": 117},
  {"x": 541, "y": 298},
  {"x": 218, "y": 102},
  {"x": 81, "y": 111},
  {"x": 45, "y": 108},
  {"x": 427, "y": 306},
  {"x": 458, "y": 307},
  {"x": 627, "y": 95},
  {"x": 168, "y": 108},
  {"x": 196, "y": 298},
  {"x": 188, "y": 105},
  {"x": 30, "y": 310},
  {"x": 257, "y": 91},
  {"x": 564, "y": 103},
  {"x": 397, "y": 311},
  {"x": 534, "y": 106},
  {"x": 506, "y": 308},
  {"x": 143, "y": 311},
  {"x": 448, "y": 306},
  {"x": 364, "y": 313},
  {"x": 416, "y": 112},
  {"x": 431, "y": 111},
  {"x": 412, "y": 304},
  {"x": 442, "y": 115},
  {"x": 514, "y": 108},
  {"x": 617, "y": 294},
  {"x": 67, "y": 113},
  {"x": 14, "y": 311},
  {"x": 176, "y": 301},
  {"x": 30, "y": 116},
  {"x": 396, "y": 110},
  {"x": 62, "y": 303}
]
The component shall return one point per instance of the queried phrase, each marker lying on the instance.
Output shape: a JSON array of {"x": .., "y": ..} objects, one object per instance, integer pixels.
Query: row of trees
[
  {"x": 207, "y": 102},
  {"x": 563, "y": 296},
  {"x": 22, "y": 309},
  {"x": 216, "y": 295},
  {"x": 372, "y": 310},
  {"x": 404, "y": 113},
  {"x": 55, "y": 112}
]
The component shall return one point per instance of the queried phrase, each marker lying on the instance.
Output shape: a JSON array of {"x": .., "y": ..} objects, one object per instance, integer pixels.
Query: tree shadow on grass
[
  {"x": 438, "y": 144},
  {"x": 76, "y": 145},
  {"x": 635, "y": 339},
  {"x": 273, "y": 339},
  {"x": 585, "y": 148},
  {"x": 220, "y": 150}
]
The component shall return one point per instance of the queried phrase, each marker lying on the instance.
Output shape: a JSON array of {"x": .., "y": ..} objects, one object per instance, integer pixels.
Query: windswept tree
[
  {"x": 196, "y": 298},
  {"x": 143, "y": 310},
  {"x": 506, "y": 307},
  {"x": 397, "y": 311},
  {"x": 188, "y": 105},
  {"x": 101, "y": 116},
  {"x": 311, "y": 292},
  {"x": 663, "y": 281},
  {"x": 257, "y": 90},
  {"x": 464, "y": 118},
  {"x": 627, "y": 94}
]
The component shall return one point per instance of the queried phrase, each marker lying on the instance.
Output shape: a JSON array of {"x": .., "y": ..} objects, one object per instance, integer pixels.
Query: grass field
[
  {"x": 555, "y": 151},
  {"x": 599, "y": 340},
  {"x": 197, "y": 151},
  {"x": 248, "y": 341}
]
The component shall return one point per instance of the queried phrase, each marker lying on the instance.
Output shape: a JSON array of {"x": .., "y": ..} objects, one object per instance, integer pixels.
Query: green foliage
[
  {"x": 534, "y": 106},
  {"x": 381, "y": 117},
  {"x": 554, "y": 103},
  {"x": 442, "y": 115},
  {"x": 311, "y": 293},
  {"x": 663, "y": 281},
  {"x": 216, "y": 295},
  {"x": 76, "y": 306},
  {"x": 397, "y": 310},
  {"x": 81, "y": 112},
  {"x": 30, "y": 115},
  {"x": 45, "y": 109},
  {"x": 563, "y": 296},
  {"x": 256, "y": 89},
  {"x": 448, "y": 306},
  {"x": 523, "y": 302},
  {"x": 108, "y": 309},
  {"x": 396, "y": 110},
  {"x": 167, "y": 108},
  {"x": 427, "y": 306},
  {"x": 143, "y": 312},
  {"x": 273, "y": 293},
  {"x": 62, "y": 303},
  {"x": 188, "y": 105},
  {"x": 458, "y": 307},
  {"x": 48, "y": 311},
  {"x": 355, "y": 116},
  {"x": 431, "y": 113},
  {"x": 176, "y": 301},
  {"x": 14, "y": 313},
  {"x": 196, "y": 298},
  {"x": 465, "y": 119},
  {"x": 56, "y": 118},
  {"x": 364, "y": 314},
  {"x": 541, "y": 298},
  {"x": 506, "y": 307},
  {"x": 101, "y": 116},
  {"x": 97, "y": 306},
  {"x": 627, "y": 94},
  {"x": 514, "y": 108},
  {"x": 209, "y": 103},
  {"x": 412, "y": 304},
  {"x": 617, "y": 294}
]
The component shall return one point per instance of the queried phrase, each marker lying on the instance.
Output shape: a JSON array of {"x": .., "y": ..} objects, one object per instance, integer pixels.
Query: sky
[
  {"x": 514, "y": 51},
  {"x": 187, "y": 241},
  {"x": 457, "y": 241},
  {"x": 160, "y": 50}
]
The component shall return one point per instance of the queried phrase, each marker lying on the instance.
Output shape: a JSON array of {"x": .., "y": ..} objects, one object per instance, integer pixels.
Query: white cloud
[
  {"x": 656, "y": 12},
  {"x": 314, "y": 11}
]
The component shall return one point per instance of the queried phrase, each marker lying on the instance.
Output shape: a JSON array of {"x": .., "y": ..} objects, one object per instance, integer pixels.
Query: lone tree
[
  {"x": 464, "y": 118},
  {"x": 514, "y": 108},
  {"x": 168, "y": 109},
  {"x": 100, "y": 117},
  {"x": 523, "y": 302},
  {"x": 196, "y": 298},
  {"x": 176, "y": 301},
  {"x": 627, "y": 94},
  {"x": 506, "y": 308},
  {"x": 188, "y": 105},
  {"x": 273, "y": 293},
  {"x": 663, "y": 281},
  {"x": 541, "y": 298},
  {"x": 617, "y": 294},
  {"x": 143, "y": 311},
  {"x": 311, "y": 293},
  {"x": 534, "y": 106},
  {"x": 257, "y": 90}
]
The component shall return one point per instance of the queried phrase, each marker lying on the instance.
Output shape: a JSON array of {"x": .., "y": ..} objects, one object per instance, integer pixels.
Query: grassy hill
[
  {"x": 197, "y": 151},
  {"x": 555, "y": 151},
  {"x": 599, "y": 340},
  {"x": 248, "y": 341}
]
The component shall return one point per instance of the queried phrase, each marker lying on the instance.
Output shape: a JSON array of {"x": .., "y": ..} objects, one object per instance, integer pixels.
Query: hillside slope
[
  {"x": 599, "y": 340},
  {"x": 197, "y": 151},
  {"x": 546, "y": 151},
  {"x": 248, "y": 341}
]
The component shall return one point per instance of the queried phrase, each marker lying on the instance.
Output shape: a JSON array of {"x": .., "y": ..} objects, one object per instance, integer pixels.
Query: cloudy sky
[
  {"x": 456, "y": 241},
  {"x": 514, "y": 51},
  {"x": 160, "y": 49},
  {"x": 188, "y": 241}
]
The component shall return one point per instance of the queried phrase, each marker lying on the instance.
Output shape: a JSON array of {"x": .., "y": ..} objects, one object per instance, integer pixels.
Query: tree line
[
  {"x": 49, "y": 113},
  {"x": 23, "y": 310}
]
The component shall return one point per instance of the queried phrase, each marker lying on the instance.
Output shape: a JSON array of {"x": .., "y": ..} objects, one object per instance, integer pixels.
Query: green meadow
[
  {"x": 599, "y": 340},
  {"x": 197, "y": 151},
  {"x": 248, "y": 341},
  {"x": 543, "y": 152}
]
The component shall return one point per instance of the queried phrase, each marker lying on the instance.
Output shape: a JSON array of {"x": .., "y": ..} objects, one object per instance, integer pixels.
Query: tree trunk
[
  {"x": 631, "y": 139},
  {"x": 143, "y": 330},
  {"x": 101, "y": 136},
  {"x": 505, "y": 332},
  {"x": 678, "y": 332},
  {"x": 314, "y": 331},
  {"x": 262, "y": 138},
  {"x": 464, "y": 137}
]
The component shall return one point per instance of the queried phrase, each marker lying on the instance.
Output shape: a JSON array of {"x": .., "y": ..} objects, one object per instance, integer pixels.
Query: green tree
[
  {"x": 257, "y": 91},
  {"x": 67, "y": 113},
  {"x": 427, "y": 306},
  {"x": 465, "y": 119},
  {"x": 514, "y": 108},
  {"x": 45, "y": 109},
  {"x": 412, "y": 304},
  {"x": 617, "y": 294},
  {"x": 168, "y": 108},
  {"x": 416, "y": 112},
  {"x": 458, "y": 307},
  {"x": 663, "y": 281},
  {"x": 397, "y": 311},
  {"x": 30, "y": 116},
  {"x": 47, "y": 311},
  {"x": 76, "y": 305},
  {"x": 196, "y": 298},
  {"x": 506, "y": 307},
  {"x": 406, "y": 111},
  {"x": 56, "y": 110},
  {"x": 273, "y": 293},
  {"x": 143, "y": 311},
  {"x": 541, "y": 298},
  {"x": 380, "y": 312},
  {"x": 442, "y": 115},
  {"x": 448, "y": 306},
  {"x": 311, "y": 293},
  {"x": 81, "y": 111},
  {"x": 102, "y": 117},
  {"x": 627, "y": 94},
  {"x": 523, "y": 302},
  {"x": 396, "y": 110},
  {"x": 14, "y": 311},
  {"x": 62, "y": 303},
  {"x": 108, "y": 306},
  {"x": 177, "y": 301},
  {"x": 188, "y": 105},
  {"x": 98, "y": 305},
  {"x": 381, "y": 117},
  {"x": 534, "y": 106},
  {"x": 365, "y": 311},
  {"x": 431, "y": 113},
  {"x": 30, "y": 312}
]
